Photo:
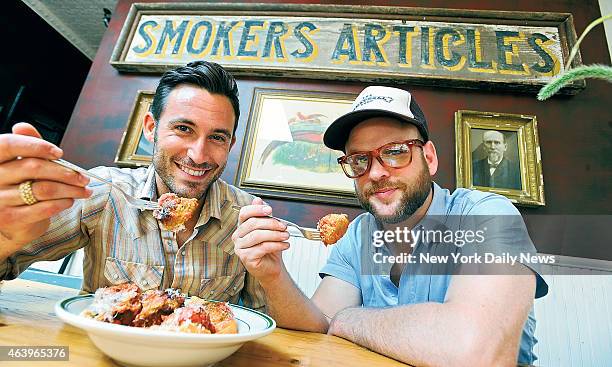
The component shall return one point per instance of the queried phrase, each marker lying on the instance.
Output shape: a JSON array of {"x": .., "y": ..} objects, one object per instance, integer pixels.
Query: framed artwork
[
  {"x": 283, "y": 153},
  {"x": 500, "y": 153},
  {"x": 135, "y": 150}
]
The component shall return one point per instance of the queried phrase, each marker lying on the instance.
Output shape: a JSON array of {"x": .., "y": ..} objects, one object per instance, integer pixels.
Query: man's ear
[
  {"x": 431, "y": 157},
  {"x": 148, "y": 127}
]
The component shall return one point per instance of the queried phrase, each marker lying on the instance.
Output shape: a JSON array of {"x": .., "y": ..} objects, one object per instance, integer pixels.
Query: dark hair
[{"x": 204, "y": 74}]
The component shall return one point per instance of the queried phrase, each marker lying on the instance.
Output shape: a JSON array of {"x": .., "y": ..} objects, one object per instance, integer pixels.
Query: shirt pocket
[
  {"x": 145, "y": 276},
  {"x": 224, "y": 288}
]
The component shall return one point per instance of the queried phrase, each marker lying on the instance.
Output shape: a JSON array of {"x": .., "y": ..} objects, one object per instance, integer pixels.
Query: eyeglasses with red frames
[{"x": 391, "y": 155}]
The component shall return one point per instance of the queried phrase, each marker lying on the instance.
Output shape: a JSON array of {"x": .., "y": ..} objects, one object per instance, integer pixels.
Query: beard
[
  {"x": 413, "y": 196},
  {"x": 495, "y": 156},
  {"x": 164, "y": 164}
]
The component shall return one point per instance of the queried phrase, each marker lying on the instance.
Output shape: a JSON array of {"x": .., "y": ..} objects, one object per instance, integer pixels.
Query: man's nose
[
  {"x": 197, "y": 151},
  {"x": 377, "y": 170}
]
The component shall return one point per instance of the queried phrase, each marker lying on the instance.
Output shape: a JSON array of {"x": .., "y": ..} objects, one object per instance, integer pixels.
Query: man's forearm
[
  {"x": 427, "y": 334},
  {"x": 290, "y": 307}
]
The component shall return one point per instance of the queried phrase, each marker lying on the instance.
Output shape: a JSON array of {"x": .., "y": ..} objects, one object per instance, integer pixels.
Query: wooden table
[{"x": 27, "y": 319}]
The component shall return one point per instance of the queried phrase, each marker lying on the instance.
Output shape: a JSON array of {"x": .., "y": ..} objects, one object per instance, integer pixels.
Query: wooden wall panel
[{"x": 575, "y": 132}]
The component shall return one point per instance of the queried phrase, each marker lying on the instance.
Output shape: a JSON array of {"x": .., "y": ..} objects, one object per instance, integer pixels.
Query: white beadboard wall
[
  {"x": 574, "y": 321},
  {"x": 303, "y": 260}
]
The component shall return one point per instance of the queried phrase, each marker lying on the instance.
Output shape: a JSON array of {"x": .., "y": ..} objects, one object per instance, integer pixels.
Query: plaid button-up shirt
[{"x": 122, "y": 243}]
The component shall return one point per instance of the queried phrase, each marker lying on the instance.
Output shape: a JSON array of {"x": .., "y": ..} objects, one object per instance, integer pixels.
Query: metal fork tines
[
  {"x": 135, "y": 202},
  {"x": 309, "y": 234}
]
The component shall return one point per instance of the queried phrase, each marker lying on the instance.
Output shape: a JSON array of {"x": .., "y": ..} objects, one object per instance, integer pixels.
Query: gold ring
[{"x": 25, "y": 191}]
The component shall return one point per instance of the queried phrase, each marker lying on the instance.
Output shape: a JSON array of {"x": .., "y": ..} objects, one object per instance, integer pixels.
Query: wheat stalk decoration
[{"x": 581, "y": 72}]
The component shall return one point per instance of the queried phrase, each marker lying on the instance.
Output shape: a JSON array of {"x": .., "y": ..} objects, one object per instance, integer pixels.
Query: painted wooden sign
[{"x": 477, "y": 49}]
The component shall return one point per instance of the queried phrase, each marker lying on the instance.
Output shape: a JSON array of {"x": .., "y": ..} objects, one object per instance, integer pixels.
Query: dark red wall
[{"x": 575, "y": 132}]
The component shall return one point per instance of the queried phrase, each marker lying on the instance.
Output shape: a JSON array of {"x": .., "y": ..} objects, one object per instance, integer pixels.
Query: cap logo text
[{"x": 370, "y": 98}]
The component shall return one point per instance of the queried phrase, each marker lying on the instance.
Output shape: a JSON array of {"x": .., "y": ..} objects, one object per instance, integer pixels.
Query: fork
[
  {"x": 135, "y": 202},
  {"x": 309, "y": 234}
]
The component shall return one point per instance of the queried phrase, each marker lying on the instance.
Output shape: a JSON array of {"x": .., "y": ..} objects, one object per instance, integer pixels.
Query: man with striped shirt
[{"x": 49, "y": 211}]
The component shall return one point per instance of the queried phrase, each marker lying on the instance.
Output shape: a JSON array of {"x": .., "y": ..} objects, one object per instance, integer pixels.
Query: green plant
[{"x": 581, "y": 72}]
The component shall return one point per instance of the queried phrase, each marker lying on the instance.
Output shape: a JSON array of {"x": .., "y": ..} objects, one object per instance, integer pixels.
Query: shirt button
[
  {"x": 212, "y": 292},
  {"x": 144, "y": 282},
  {"x": 116, "y": 276},
  {"x": 235, "y": 287},
  {"x": 183, "y": 253}
]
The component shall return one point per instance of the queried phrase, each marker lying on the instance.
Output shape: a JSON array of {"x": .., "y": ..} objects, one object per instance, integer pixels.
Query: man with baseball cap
[{"x": 373, "y": 291}]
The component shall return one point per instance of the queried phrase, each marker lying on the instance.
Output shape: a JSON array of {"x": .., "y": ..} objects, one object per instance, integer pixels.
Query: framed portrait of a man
[
  {"x": 499, "y": 153},
  {"x": 495, "y": 159}
]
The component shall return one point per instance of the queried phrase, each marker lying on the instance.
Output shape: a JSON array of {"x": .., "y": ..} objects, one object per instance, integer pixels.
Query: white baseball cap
[{"x": 376, "y": 101}]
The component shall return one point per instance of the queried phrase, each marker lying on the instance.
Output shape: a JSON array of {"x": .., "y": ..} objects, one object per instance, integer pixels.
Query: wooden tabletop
[{"x": 27, "y": 319}]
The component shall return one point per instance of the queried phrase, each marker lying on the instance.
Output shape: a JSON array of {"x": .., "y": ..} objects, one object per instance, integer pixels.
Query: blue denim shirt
[{"x": 418, "y": 286}]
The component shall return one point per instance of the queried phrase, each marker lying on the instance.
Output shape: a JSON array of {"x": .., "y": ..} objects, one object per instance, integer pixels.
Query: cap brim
[{"x": 337, "y": 133}]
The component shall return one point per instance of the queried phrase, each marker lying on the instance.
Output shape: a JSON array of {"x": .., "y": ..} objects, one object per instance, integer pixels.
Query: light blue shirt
[{"x": 426, "y": 282}]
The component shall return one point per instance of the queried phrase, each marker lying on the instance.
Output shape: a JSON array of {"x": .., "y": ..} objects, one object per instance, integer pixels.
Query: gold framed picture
[
  {"x": 283, "y": 153},
  {"x": 135, "y": 150},
  {"x": 500, "y": 153}
]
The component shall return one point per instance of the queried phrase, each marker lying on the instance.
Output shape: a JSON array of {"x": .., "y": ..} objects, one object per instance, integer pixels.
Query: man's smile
[{"x": 191, "y": 171}]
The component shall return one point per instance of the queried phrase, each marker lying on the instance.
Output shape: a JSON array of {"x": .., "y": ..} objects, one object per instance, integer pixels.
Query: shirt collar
[
  {"x": 435, "y": 218},
  {"x": 493, "y": 163},
  {"x": 438, "y": 201},
  {"x": 212, "y": 203},
  {"x": 437, "y": 207},
  {"x": 148, "y": 189}
]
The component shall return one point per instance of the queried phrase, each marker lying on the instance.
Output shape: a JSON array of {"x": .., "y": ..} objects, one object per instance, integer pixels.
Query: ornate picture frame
[
  {"x": 135, "y": 150},
  {"x": 283, "y": 155},
  {"x": 500, "y": 153}
]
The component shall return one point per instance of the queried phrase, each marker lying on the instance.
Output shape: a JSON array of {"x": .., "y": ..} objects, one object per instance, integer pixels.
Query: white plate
[{"x": 134, "y": 346}]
